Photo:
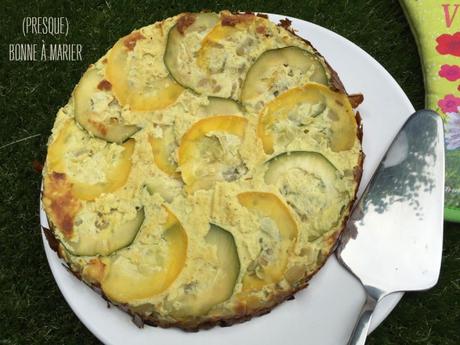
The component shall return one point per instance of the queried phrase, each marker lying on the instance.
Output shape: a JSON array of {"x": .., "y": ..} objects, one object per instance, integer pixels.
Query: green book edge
[{"x": 413, "y": 12}]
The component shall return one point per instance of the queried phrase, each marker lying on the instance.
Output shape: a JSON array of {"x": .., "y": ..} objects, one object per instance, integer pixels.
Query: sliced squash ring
[
  {"x": 324, "y": 208},
  {"x": 116, "y": 176},
  {"x": 189, "y": 152},
  {"x": 110, "y": 130},
  {"x": 223, "y": 283},
  {"x": 108, "y": 240},
  {"x": 162, "y": 153},
  {"x": 268, "y": 205},
  {"x": 220, "y": 106},
  {"x": 258, "y": 83},
  {"x": 343, "y": 122},
  {"x": 147, "y": 94},
  {"x": 124, "y": 281},
  {"x": 189, "y": 23}
]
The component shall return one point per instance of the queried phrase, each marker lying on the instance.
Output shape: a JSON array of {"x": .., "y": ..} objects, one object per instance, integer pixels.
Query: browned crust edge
[{"x": 196, "y": 325}]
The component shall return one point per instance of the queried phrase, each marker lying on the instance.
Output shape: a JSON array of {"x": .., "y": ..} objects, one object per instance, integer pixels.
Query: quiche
[{"x": 203, "y": 169}]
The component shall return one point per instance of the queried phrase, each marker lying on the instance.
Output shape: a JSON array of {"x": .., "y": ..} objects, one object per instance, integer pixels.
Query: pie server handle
[{"x": 359, "y": 335}]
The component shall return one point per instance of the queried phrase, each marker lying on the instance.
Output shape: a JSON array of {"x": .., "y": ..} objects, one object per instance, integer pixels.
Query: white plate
[{"x": 325, "y": 312}]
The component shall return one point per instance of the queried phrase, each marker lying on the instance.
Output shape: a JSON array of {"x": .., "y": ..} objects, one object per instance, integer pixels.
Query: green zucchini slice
[
  {"x": 280, "y": 69},
  {"x": 184, "y": 41},
  {"x": 86, "y": 115},
  {"x": 207, "y": 294},
  {"x": 220, "y": 106},
  {"x": 312, "y": 186},
  {"x": 312, "y": 163},
  {"x": 105, "y": 238}
]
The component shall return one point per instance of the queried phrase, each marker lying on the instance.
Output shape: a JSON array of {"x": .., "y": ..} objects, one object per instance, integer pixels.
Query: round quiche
[{"x": 202, "y": 169}]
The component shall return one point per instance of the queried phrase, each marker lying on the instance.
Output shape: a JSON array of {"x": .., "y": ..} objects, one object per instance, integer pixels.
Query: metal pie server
[{"x": 393, "y": 239}]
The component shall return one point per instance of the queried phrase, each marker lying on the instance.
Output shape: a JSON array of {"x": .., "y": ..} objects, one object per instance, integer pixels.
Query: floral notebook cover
[{"x": 436, "y": 27}]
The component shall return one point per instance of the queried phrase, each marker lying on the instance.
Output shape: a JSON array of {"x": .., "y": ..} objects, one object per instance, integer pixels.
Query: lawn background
[{"x": 32, "y": 310}]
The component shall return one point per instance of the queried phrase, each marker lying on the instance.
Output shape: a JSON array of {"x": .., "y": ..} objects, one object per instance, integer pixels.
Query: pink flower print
[
  {"x": 451, "y": 73},
  {"x": 449, "y": 104},
  {"x": 453, "y": 131},
  {"x": 449, "y": 44}
]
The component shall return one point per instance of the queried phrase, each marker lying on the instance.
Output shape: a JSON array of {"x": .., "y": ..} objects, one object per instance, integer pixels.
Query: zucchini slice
[
  {"x": 300, "y": 106},
  {"x": 312, "y": 186},
  {"x": 109, "y": 129},
  {"x": 220, "y": 106},
  {"x": 209, "y": 151},
  {"x": 280, "y": 69},
  {"x": 105, "y": 238},
  {"x": 129, "y": 275},
  {"x": 221, "y": 287},
  {"x": 274, "y": 215},
  {"x": 184, "y": 40},
  {"x": 312, "y": 163},
  {"x": 141, "y": 92}
]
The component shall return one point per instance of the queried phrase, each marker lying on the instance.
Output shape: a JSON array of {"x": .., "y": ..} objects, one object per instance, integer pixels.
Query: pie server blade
[{"x": 393, "y": 239}]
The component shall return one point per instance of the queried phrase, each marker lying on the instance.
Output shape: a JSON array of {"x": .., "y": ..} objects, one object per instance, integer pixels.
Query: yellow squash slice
[
  {"x": 228, "y": 26},
  {"x": 142, "y": 92},
  {"x": 129, "y": 277},
  {"x": 301, "y": 106},
  {"x": 271, "y": 264},
  {"x": 116, "y": 175},
  {"x": 209, "y": 151},
  {"x": 163, "y": 149}
]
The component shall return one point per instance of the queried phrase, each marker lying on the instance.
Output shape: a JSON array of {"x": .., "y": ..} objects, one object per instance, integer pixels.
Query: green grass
[{"x": 32, "y": 310}]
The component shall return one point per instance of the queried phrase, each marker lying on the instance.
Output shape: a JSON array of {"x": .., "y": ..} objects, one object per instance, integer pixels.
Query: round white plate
[{"x": 325, "y": 312}]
